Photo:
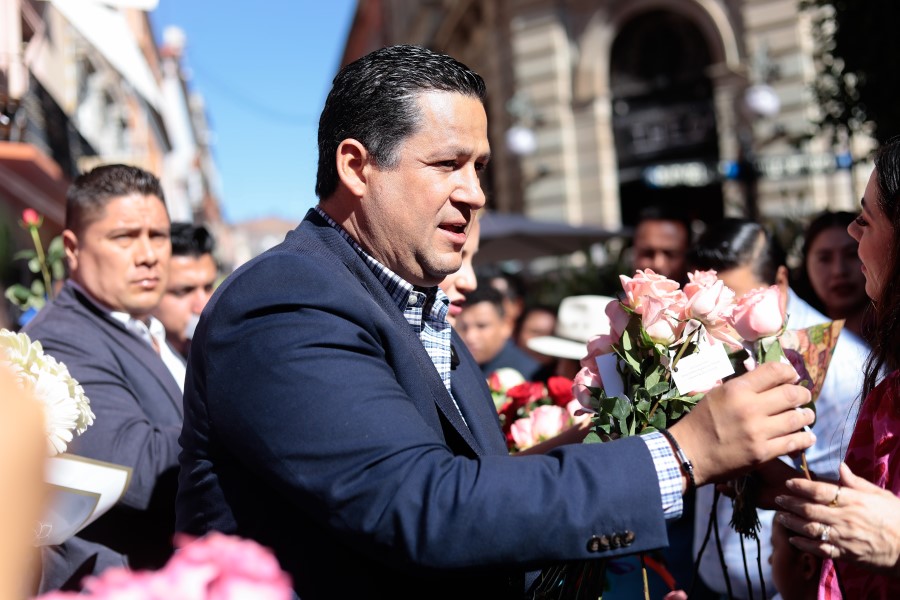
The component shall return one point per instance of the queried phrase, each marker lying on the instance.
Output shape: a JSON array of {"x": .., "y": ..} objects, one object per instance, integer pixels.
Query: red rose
[
  {"x": 526, "y": 392},
  {"x": 560, "y": 389},
  {"x": 30, "y": 218}
]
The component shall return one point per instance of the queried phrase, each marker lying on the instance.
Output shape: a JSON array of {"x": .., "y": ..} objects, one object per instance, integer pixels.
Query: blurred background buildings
[{"x": 596, "y": 109}]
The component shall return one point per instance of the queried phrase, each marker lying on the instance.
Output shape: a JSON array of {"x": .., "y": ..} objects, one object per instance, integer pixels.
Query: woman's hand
[{"x": 853, "y": 521}]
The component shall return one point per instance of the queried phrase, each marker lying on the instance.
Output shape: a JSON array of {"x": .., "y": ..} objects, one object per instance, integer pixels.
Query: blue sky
[{"x": 264, "y": 69}]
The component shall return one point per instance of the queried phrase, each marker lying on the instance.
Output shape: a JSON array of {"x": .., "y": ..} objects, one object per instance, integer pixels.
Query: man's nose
[
  {"x": 146, "y": 253},
  {"x": 468, "y": 188}
]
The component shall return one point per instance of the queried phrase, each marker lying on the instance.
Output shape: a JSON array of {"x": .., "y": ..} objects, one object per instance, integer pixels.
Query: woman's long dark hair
[{"x": 885, "y": 338}]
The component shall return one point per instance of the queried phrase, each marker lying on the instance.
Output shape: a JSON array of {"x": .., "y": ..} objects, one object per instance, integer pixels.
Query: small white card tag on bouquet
[
  {"x": 607, "y": 364},
  {"x": 701, "y": 371}
]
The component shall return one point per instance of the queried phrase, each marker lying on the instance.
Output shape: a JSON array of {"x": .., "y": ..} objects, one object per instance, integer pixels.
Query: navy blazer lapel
[
  {"x": 474, "y": 399},
  {"x": 430, "y": 377},
  {"x": 138, "y": 348}
]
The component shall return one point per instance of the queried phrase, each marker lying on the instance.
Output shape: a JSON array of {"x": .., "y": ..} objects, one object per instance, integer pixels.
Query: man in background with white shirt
[
  {"x": 192, "y": 278},
  {"x": 100, "y": 325}
]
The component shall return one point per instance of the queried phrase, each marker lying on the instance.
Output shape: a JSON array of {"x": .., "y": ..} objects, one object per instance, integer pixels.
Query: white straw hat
[{"x": 579, "y": 319}]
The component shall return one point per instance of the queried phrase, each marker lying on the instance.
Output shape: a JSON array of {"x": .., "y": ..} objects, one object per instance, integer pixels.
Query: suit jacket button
[
  {"x": 628, "y": 538},
  {"x": 616, "y": 540},
  {"x": 598, "y": 543}
]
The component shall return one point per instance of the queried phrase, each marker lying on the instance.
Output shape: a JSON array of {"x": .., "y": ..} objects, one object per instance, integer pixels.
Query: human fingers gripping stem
[
  {"x": 745, "y": 422},
  {"x": 863, "y": 527}
]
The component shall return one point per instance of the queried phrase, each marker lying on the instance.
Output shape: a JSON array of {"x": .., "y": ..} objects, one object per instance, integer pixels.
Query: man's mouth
[{"x": 454, "y": 228}]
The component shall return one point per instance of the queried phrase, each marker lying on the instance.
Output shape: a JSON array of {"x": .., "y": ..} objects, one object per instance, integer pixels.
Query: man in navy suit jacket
[
  {"x": 117, "y": 248},
  {"x": 332, "y": 414}
]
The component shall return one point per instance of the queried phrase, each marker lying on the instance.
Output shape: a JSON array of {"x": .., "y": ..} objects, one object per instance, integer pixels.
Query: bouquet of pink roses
[{"x": 666, "y": 346}]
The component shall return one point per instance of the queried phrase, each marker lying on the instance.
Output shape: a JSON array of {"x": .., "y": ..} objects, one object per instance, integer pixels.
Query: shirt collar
[{"x": 401, "y": 291}]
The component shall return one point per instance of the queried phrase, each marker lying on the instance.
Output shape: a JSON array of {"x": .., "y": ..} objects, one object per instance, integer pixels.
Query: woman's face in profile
[
  {"x": 835, "y": 272},
  {"x": 875, "y": 235}
]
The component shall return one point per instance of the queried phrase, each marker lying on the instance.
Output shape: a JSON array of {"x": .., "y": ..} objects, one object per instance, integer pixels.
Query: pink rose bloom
[
  {"x": 543, "y": 423},
  {"x": 758, "y": 314},
  {"x": 676, "y": 595},
  {"x": 646, "y": 284},
  {"x": 663, "y": 318},
  {"x": 618, "y": 318},
  {"x": 577, "y": 413},
  {"x": 708, "y": 299},
  {"x": 585, "y": 378},
  {"x": 31, "y": 218}
]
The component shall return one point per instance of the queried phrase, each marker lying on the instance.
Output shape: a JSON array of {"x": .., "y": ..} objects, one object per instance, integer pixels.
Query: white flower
[{"x": 66, "y": 408}]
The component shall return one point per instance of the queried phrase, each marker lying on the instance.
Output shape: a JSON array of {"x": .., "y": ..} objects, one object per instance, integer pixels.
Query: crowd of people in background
[{"x": 137, "y": 285}]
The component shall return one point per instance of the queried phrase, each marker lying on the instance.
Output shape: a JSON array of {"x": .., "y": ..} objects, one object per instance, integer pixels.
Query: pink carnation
[
  {"x": 215, "y": 567},
  {"x": 759, "y": 313},
  {"x": 647, "y": 284}
]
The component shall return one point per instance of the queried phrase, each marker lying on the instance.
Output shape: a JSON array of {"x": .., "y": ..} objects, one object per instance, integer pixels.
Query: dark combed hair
[
  {"x": 89, "y": 194},
  {"x": 374, "y": 101},
  {"x": 822, "y": 222},
  {"x": 486, "y": 293},
  {"x": 734, "y": 243},
  {"x": 665, "y": 212},
  {"x": 191, "y": 240},
  {"x": 885, "y": 338}
]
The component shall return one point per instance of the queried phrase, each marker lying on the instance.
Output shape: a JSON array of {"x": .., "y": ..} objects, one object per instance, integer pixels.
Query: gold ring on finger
[{"x": 834, "y": 501}]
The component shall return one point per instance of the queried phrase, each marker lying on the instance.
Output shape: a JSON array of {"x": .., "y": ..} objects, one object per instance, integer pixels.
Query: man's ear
[
  {"x": 70, "y": 244},
  {"x": 352, "y": 159}
]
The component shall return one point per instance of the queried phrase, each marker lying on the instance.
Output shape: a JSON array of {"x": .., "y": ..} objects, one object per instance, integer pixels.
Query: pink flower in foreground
[
  {"x": 586, "y": 377},
  {"x": 215, "y": 567},
  {"x": 618, "y": 318},
  {"x": 228, "y": 565},
  {"x": 646, "y": 284},
  {"x": 758, "y": 314},
  {"x": 543, "y": 423}
]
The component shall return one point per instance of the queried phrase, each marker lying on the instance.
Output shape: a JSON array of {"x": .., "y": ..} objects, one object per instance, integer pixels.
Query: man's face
[
  {"x": 483, "y": 330},
  {"x": 416, "y": 214},
  {"x": 191, "y": 281},
  {"x": 122, "y": 258},
  {"x": 661, "y": 246}
]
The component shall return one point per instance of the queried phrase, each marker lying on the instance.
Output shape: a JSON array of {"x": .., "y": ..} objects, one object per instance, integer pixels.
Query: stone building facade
[{"x": 600, "y": 107}]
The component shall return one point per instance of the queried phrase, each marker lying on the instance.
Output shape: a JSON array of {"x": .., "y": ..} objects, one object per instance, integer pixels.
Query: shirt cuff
[{"x": 668, "y": 472}]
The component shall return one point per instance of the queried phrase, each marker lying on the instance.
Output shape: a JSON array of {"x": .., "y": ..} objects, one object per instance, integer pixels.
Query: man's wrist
[{"x": 688, "y": 481}]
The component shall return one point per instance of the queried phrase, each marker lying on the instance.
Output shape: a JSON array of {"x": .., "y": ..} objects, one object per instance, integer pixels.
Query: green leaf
[
  {"x": 659, "y": 389},
  {"x": 774, "y": 353},
  {"x": 659, "y": 419},
  {"x": 37, "y": 288},
  {"x": 592, "y": 438},
  {"x": 622, "y": 409},
  {"x": 626, "y": 342},
  {"x": 34, "y": 265},
  {"x": 24, "y": 254}
]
